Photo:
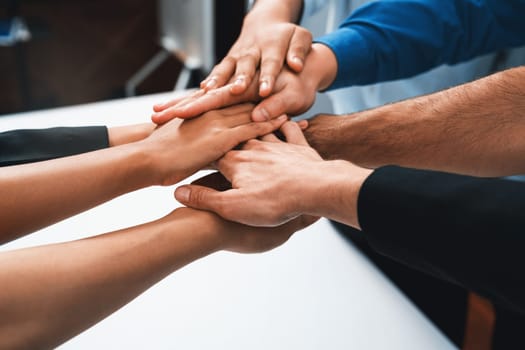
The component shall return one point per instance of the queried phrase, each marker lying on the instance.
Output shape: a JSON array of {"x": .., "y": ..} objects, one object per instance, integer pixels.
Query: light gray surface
[{"x": 315, "y": 292}]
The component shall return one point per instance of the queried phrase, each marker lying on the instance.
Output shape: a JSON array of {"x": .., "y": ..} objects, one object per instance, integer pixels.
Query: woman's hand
[
  {"x": 261, "y": 44},
  {"x": 180, "y": 148},
  {"x": 292, "y": 94}
]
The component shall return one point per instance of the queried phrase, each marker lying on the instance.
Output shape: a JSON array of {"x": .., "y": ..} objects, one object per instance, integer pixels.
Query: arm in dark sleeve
[
  {"x": 467, "y": 230},
  {"x": 393, "y": 39},
  {"x": 27, "y": 146}
]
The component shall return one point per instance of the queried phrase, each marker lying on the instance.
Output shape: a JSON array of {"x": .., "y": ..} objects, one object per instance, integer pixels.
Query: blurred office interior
[{"x": 61, "y": 52}]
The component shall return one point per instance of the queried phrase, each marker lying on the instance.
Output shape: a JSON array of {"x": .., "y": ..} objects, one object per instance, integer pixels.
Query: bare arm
[
  {"x": 51, "y": 293},
  {"x": 474, "y": 129},
  {"x": 36, "y": 195},
  {"x": 120, "y": 135}
]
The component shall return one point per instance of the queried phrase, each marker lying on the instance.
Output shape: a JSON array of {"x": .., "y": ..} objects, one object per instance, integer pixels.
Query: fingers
[
  {"x": 303, "y": 124},
  {"x": 245, "y": 71},
  {"x": 250, "y": 131},
  {"x": 178, "y": 101},
  {"x": 217, "y": 98},
  {"x": 270, "y": 138},
  {"x": 162, "y": 106},
  {"x": 271, "y": 64},
  {"x": 293, "y": 133},
  {"x": 220, "y": 74},
  {"x": 300, "y": 45},
  {"x": 271, "y": 107},
  {"x": 223, "y": 204},
  {"x": 200, "y": 197}
]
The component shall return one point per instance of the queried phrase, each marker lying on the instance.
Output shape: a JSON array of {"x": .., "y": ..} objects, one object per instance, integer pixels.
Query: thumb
[
  {"x": 199, "y": 197},
  {"x": 270, "y": 108}
]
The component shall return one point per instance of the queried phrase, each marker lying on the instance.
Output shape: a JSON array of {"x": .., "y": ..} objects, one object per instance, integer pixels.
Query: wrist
[
  {"x": 336, "y": 192},
  {"x": 275, "y": 11},
  {"x": 142, "y": 160},
  {"x": 320, "y": 66},
  {"x": 120, "y": 135},
  {"x": 206, "y": 229}
]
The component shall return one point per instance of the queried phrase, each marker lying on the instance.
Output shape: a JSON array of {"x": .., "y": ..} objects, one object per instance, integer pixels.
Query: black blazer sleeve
[
  {"x": 26, "y": 146},
  {"x": 467, "y": 230}
]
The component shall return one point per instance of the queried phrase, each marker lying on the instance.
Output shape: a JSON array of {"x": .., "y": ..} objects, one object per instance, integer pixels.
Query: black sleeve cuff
[
  {"x": 463, "y": 229},
  {"x": 27, "y": 146}
]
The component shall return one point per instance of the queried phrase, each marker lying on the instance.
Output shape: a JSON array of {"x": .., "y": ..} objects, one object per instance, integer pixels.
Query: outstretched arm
[
  {"x": 474, "y": 129},
  {"x": 36, "y": 195},
  {"x": 388, "y": 40},
  {"x": 51, "y": 293}
]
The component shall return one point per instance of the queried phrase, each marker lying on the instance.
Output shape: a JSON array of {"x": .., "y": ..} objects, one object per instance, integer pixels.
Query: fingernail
[
  {"x": 211, "y": 83},
  {"x": 182, "y": 194},
  {"x": 260, "y": 115},
  {"x": 239, "y": 81},
  {"x": 264, "y": 85},
  {"x": 282, "y": 118},
  {"x": 297, "y": 60}
]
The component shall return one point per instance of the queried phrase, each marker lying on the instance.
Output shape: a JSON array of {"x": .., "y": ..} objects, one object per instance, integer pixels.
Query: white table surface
[{"x": 315, "y": 292}]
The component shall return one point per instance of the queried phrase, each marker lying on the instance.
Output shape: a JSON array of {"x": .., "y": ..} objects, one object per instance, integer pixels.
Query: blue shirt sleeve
[{"x": 393, "y": 39}]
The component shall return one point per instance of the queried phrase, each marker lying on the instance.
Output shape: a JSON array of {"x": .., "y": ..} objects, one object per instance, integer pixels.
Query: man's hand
[
  {"x": 180, "y": 148},
  {"x": 240, "y": 238},
  {"x": 274, "y": 182}
]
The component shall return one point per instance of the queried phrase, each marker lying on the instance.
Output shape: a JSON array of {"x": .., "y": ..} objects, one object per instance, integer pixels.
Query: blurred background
[{"x": 62, "y": 52}]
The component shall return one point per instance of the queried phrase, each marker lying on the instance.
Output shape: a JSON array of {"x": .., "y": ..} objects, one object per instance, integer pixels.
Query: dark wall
[{"x": 85, "y": 50}]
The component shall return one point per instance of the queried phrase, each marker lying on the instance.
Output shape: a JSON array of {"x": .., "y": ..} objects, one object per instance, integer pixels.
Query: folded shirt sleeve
[
  {"x": 392, "y": 39},
  {"x": 27, "y": 146},
  {"x": 467, "y": 230}
]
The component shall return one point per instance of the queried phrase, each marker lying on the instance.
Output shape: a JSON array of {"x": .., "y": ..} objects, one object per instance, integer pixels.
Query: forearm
[
  {"x": 388, "y": 40},
  {"x": 281, "y": 10},
  {"x": 463, "y": 229},
  {"x": 472, "y": 129},
  {"x": 120, "y": 135},
  {"x": 37, "y": 195},
  {"x": 54, "y": 292}
]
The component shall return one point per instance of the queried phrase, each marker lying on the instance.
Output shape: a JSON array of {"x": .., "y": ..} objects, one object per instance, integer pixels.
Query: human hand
[
  {"x": 180, "y": 148},
  {"x": 273, "y": 182},
  {"x": 240, "y": 238},
  {"x": 265, "y": 44},
  {"x": 293, "y": 93}
]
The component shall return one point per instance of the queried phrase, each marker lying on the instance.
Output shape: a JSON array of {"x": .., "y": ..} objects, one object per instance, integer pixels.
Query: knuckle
[
  {"x": 305, "y": 33},
  {"x": 251, "y": 144},
  {"x": 227, "y": 61},
  {"x": 196, "y": 197}
]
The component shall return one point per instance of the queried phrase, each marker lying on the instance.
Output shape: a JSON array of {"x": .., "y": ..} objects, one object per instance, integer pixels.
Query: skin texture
[
  {"x": 473, "y": 129},
  {"x": 63, "y": 187},
  {"x": 268, "y": 39},
  {"x": 43, "y": 287},
  {"x": 273, "y": 182},
  {"x": 120, "y": 135},
  {"x": 293, "y": 93}
]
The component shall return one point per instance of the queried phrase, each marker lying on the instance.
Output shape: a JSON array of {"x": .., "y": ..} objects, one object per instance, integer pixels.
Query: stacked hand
[{"x": 180, "y": 148}]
